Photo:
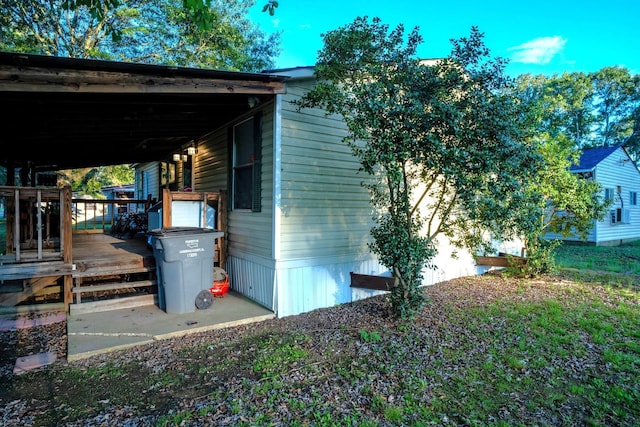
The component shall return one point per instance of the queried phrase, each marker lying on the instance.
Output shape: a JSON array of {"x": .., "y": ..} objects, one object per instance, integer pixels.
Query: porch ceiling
[{"x": 62, "y": 113}]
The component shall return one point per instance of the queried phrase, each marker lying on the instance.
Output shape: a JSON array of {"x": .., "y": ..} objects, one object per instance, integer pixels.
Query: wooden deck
[
  {"x": 102, "y": 265},
  {"x": 103, "y": 254},
  {"x": 47, "y": 257}
]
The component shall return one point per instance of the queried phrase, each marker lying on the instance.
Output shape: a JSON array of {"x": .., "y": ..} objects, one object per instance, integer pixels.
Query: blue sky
[{"x": 538, "y": 37}]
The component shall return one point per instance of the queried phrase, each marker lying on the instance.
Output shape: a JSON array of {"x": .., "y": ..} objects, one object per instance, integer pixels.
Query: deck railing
[
  {"x": 99, "y": 215},
  {"x": 34, "y": 220}
]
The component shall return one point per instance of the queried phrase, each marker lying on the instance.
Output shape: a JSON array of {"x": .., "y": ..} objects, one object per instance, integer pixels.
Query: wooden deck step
[
  {"x": 105, "y": 271},
  {"x": 78, "y": 290},
  {"x": 113, "y": 286}
]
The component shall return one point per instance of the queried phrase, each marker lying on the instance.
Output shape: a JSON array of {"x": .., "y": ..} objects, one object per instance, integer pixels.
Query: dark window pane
[
  {"x": 243, "y": 188},
  {"x": 244, "y": 143}
]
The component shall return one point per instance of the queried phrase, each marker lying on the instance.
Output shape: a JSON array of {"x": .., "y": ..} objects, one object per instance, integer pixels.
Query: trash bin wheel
[{"x": 204, "y": 299}]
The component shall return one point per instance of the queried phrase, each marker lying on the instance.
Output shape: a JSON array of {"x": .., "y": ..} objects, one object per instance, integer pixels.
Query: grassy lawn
[{"x": 604, "y": 264}]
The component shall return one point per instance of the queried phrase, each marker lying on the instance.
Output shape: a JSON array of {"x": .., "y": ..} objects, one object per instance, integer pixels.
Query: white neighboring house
[
  {"x": 620, "y": 178},
  {"x": 299, "y": 219}
]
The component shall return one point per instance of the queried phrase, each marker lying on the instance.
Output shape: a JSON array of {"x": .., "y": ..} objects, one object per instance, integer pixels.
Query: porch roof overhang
[{"x": 66, "y": 113}]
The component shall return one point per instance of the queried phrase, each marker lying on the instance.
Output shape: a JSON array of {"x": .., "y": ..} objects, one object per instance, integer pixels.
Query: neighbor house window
[
  {"x": 633, "y": 198},
  {"x": 609, "y": 193},
  {"x": 140, "y": 183},
  {"x": 247, "y": 154}
]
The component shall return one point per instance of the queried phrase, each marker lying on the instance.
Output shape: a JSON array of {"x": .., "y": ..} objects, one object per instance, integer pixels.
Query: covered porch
[{"x": 73, "y": 264}]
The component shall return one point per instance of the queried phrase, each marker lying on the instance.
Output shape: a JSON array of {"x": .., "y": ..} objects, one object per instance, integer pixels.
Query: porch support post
[
  {"x": 166, "y": 207},
  {"x": 67, "y": 248}
]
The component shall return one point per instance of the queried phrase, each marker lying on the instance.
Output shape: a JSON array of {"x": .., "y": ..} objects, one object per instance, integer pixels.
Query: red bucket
[{"x": 220, "y": 282}]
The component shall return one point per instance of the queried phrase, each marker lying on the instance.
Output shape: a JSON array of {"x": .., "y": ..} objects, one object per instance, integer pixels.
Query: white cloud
[{"x": 538, "y": 51}]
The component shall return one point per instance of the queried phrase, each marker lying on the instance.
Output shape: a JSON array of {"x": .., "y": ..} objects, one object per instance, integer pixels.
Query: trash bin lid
[{"x": 174, "y": 231}]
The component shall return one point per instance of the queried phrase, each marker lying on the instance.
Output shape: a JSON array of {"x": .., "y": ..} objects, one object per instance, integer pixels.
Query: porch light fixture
[
  {"x": 177, "y": 157},
  {"x": 253, "y": 101},
  {"x": 191, "y": 150},
  {"x": 185, "y": 158}
]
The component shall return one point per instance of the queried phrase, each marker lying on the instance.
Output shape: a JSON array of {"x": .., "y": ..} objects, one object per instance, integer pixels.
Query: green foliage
[
  {"x": 616, "y": 97},
  {"x": 194, "y": 33},
  {"x": 91, "y": 181},
  {"x": 270, "y": 7},
  {"x": 561, "y": 202},
  {"x": 121, "y": 174},
  {"x": 569, "y": 203},
  {"x": 596, "y": 109},
  {"x": 369, "y": 337},
  {"x": 539, "y": 260},
  {"x": 440, "y": 141}
]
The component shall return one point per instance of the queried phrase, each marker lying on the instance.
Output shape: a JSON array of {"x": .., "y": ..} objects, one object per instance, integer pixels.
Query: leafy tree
[
  {"x": 560, "y": 115},
  {"x": 568, "y": 100},
  {"x": 50, "y": 28},
  {"x": 440, "y": 142},
  {"x": 592, "y": 110},
  {"x": 89, "y": 181},
  {"x": 199, "y": 8},
  {"x": 617, "y": 95},
  {"x": 566, "y": 203},
  {"x": 633, "y": 143},
  {"x": 159, "y": 32}
]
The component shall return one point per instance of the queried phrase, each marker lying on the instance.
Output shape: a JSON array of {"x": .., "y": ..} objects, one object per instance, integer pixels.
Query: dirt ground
[{"x": 334, "y": 330}]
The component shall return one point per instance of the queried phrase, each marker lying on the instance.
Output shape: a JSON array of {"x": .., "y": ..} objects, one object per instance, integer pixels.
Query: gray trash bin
[{"x": 184, "y": 265}]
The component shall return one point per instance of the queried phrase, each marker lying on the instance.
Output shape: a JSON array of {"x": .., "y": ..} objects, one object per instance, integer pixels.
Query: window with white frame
[
  {"x": 246, "y": 165},
  {"x": 619, "y": 216},
  {"x": 609, "y": 193}
]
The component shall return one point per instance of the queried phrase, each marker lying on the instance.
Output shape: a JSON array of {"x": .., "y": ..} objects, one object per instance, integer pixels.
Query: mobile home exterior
[{"x": 299, "y": 218}]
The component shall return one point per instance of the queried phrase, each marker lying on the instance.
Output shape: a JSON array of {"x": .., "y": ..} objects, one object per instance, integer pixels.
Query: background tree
[
  {"x": 89, "y": 181},
  {"x": 441, "y": 143},
  {"x": 617, "y": 95},
  {"x": 561, "y": 112},
  {"x": 563, "y": 203},
  {"x": 592, "y": 110},
  {"x": 159, "y": 32},
  {"x": 198, "y": 8},
  {"x": 633, "y": 143}
]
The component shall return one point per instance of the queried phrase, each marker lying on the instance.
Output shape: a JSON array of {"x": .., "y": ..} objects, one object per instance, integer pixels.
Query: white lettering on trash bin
[
  {"x": 192, "y": 244},
  {"x": 193, "y": 248}
]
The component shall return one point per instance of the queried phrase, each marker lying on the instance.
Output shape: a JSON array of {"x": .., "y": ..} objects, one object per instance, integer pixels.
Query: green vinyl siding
[
  {"x": 210, "y": 167},
  {"x": 325, "y": 210},
  {"x": 247, "y": 232}
]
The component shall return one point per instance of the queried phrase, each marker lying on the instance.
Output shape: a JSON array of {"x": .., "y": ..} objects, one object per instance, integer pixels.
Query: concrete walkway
[{"x": 93, "y": 333}]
